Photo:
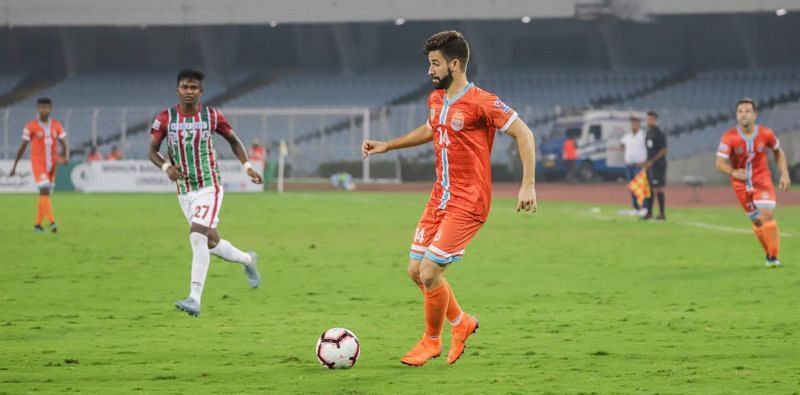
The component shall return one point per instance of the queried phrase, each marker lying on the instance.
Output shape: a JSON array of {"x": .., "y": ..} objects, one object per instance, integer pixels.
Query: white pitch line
[
  {"x": 702, "y": 225},
  {"x": 725, "y": 228}
]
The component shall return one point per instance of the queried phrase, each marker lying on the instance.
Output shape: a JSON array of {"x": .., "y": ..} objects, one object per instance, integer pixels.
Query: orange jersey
[
  {"x": 257, "y": 153},
  {"x": 463, "y": 132},
  {"x": 43, "y": 136},
  {"x": 750, "y": 153}
]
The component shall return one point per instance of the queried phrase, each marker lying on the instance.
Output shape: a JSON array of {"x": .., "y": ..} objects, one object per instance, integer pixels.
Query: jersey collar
[
  {"x": 752, "y": 136},
  {"x": 457, "y": 96},
  {"x": 197, "y": 111}
]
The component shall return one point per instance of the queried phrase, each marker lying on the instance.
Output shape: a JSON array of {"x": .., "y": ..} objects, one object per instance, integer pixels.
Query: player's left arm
[
  {"x": 62, "y": 141},
  {"x": 241, "y": 153},
  {"x": 526, "y": 145},
  {"x": 780, "y": 157}
]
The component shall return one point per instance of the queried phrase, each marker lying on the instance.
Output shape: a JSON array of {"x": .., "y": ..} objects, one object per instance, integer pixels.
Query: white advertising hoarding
[
  {"x": 143, "y": 176},
  {"x": 21, "y": 182}
]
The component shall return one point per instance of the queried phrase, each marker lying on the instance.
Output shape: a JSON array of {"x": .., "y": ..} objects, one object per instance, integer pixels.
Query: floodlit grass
[{"x": 569, "y": 300}]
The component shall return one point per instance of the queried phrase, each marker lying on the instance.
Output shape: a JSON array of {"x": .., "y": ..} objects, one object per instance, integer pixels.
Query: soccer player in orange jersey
[
  {"x": 742, "y": 155},
  {"x": 462, "y": 124},
  {"x": 42, "y": 134}
]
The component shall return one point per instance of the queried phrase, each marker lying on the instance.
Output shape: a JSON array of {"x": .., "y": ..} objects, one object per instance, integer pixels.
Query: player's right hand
[
  {"x": 174, "y": 174},
  {"x": 12, "y": 172},
  {"x": 739, "y": 174},
  {"x": 784, "y": 182},
  {"x": 371, "y": 147}
]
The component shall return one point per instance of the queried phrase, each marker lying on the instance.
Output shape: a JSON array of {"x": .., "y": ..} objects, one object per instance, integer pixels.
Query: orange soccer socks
[
  {"x": 759, "y": 232},
  {"x": 45, "y": 210},
  {"x": 771, "y": 238},
  {"x": 453, "y": 311},
  {"x": 436, "y": 301}
]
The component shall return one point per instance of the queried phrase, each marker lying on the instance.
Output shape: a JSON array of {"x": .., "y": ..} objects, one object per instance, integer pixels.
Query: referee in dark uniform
[{"x": 656, "y": 164}]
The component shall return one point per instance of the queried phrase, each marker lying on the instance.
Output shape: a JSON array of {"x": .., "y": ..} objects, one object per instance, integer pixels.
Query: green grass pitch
[{"x": 569, "y": 300}]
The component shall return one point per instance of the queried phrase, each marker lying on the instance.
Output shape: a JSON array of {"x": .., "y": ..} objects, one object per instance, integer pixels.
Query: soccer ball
[{"x": 338, "y": 348}]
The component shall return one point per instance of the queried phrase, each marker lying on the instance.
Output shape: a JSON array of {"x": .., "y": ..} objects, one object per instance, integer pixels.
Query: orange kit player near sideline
[
  {"x": 42, "y": 134},
  {"x": 742, "y": 155},
  {"x": 462, "y": 124}
]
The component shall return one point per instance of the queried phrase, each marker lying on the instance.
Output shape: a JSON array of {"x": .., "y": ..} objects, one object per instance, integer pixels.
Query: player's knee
[
  {"x": 413, "y": 274},
  {"x": 44, "y": 191},
  {"x": 430, "y": 275},
  {"x": 213, "y": 238},
  {"x": 765, "y": 216}
]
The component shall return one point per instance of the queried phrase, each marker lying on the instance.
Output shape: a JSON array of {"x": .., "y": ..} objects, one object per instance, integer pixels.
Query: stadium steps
[
  {"x": 253, "y": 82},
  {"x": 728, "y": 116},
  {"x": 669, "y": 80},
  {"x": 28, "y": 88},
  {"x": 417, "y": 93}
]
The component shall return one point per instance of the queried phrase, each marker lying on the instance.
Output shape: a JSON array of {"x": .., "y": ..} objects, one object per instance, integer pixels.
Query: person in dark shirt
[{"x": 656, "y": 164}]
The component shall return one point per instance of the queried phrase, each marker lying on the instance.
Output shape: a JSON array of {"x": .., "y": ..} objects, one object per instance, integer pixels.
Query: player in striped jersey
[{"x": 189, "y": 129}]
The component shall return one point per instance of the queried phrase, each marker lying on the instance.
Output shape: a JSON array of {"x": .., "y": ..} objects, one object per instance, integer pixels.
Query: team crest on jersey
[
  {"x": 761, "y": 148},
  {"x": 499, "y": 104},
  {"x": 457, "y": 122},
  {"x": 739, "y": 150}
]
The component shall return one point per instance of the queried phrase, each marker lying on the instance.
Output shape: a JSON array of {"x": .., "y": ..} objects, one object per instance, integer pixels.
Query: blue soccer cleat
[
  {"x": 251, "y": 270},
  {"x": 189, "y": 305}
]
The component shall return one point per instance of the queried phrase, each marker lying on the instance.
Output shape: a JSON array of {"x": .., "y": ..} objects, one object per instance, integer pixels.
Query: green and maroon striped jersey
[{"x": 190, "y": 142}]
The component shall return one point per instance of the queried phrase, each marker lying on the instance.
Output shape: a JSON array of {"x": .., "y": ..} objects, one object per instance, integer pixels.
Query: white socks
[
  {"x": 200, "y": 262},
  {"x": 228, "y": 252}
]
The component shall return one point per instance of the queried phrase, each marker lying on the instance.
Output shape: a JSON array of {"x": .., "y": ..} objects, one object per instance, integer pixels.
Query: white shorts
[{"x": 202, "y": 206}]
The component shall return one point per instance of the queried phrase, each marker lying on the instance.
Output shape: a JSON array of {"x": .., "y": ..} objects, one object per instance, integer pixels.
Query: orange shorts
[
  {"x": 760, "y": 196},
  {"x": 442, "y": 236},
  {"x": 44, "y": 177}
]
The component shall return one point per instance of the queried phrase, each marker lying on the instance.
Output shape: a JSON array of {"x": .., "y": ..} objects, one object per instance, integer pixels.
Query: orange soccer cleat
[
  {"x": 459, "y": 334},
  {"x": 424, "y": 350}
]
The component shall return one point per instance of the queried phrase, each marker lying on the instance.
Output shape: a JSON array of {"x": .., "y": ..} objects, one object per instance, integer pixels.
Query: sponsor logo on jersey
[
  {"x": 438, "y": 236},
  {"x": 457, "y": 122},
  {"x": 188, "y": 126},
  {"x": 723, "y": 147},
  {"x": 156, "y": 124},
  {"x": 499, "y": 104}
]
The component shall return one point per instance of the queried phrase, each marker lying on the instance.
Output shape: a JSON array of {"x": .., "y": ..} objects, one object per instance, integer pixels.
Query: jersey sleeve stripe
[{"x": 509, "y": 122}]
